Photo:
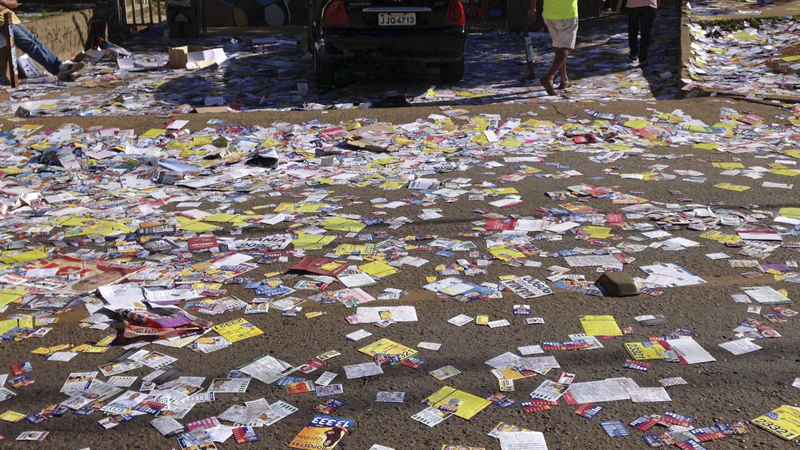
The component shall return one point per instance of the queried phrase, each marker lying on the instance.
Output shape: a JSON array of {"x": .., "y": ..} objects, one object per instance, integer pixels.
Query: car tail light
[
  {"x": 335, "y": 15},
  {"x": 455, "y": 16}
]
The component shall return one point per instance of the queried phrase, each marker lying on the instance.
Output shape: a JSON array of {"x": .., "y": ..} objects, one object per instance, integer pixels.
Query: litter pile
[
  {"x": 185, "y": 245},
  {"x": 736, "y": 62}
]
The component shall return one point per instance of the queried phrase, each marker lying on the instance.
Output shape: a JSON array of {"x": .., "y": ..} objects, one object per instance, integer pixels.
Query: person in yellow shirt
[
  {"x": 561, "y": 18},
  {"x": 33, "y": 47}
]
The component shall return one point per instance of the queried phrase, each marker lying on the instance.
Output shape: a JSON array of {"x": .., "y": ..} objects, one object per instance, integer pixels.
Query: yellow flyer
[
  {"x": 237, "y": 330},
  {"x": 600, "y": 326},
  {"x": 513, "y": 374},
  {"x": 312, "y": 241},
  {"x": 783, "y": 422},
  {"x": 342, "y": 224},
  {"x": 645, "y": 350},
  {"x": 598, "y": 232},
  {"x": 378, "y": 269},
  {"x": 728, "y": 165},
  {"x": 349, "y": 249},
  {"x": 506, "y": 254},
  {"x": 12, "y": 416},
  {"x": 301, "y": 207},
  {"x": 10, "y": 295},
  {"x": 731, "y": 187},
  {"x": 322, "y": 433},
  {"x": 389, "y": 348},
  {"x": 462, "y": 404},
  {"x": 792, "y": 213}
]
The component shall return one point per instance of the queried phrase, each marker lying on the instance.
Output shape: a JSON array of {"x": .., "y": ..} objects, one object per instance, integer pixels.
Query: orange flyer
[{"x": 322, "y": 433}]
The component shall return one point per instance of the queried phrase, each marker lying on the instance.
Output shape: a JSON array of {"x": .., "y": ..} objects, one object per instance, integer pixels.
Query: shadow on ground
[{"x": 283, "y": 78}]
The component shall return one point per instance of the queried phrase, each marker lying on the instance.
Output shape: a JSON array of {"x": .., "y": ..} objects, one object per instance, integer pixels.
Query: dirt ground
[
  {"x": 706, "y": 109},
  {"x": 734, "y": 388}
]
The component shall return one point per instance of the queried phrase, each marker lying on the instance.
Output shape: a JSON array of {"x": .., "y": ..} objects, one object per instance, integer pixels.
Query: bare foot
[
  {"x": 548, "y": 85},
  {"x": 566, "y": 84}
]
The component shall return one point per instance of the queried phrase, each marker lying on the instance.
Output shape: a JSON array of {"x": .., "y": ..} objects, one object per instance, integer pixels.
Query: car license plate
[{"x": 397, "y": 19}]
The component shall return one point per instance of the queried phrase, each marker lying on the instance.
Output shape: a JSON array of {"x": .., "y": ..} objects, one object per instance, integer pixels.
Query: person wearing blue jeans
[{"x": 33, "y": 47}]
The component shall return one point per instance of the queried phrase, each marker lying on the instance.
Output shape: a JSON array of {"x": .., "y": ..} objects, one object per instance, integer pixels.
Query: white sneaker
[{"x": 68, "y": 70}]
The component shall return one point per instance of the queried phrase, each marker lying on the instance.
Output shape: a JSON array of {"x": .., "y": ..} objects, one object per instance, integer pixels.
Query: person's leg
[
  {"x": 570, "y": 39},
  {"x": 565, "y": 83},
  {"x": 564, "y": 33},
  {"x": 559, "y": 61},
  {"x": 633, "y": 31},
  {"x": 33, "y": 47},
  {"x": 648, "y": 16},
  {"x": 528, "y": 46}
]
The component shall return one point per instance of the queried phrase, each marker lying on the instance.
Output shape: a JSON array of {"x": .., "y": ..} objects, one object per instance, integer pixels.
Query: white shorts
[{"x": 563, "y": 32}]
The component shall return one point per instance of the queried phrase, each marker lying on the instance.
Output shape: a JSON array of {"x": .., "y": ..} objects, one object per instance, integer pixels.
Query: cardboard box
[
  {"x": 205, "y": 58},
  {"x": 179, "y": 56},
  {"x": 195, "y": 57}
]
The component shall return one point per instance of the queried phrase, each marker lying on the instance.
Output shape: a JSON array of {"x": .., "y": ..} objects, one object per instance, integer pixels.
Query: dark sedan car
[{"x": 342, "y": 32}]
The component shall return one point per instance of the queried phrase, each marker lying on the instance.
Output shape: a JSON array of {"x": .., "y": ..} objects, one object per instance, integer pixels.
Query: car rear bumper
[{"x": 436, "y": 45}]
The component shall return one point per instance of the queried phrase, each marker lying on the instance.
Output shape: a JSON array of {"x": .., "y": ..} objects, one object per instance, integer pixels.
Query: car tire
[
  {"x": 324, "y": 72},
  {"x": 452, "y": 72}
]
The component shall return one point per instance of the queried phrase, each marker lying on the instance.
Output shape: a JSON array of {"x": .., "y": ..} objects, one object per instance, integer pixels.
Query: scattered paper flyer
[
  {"x": 368, "y": 369},
  {"x": 689, "y": 351},
  {"x": 430, "y": 416},
  {"x": 740, "y": 346},
  {"x": 549, "y": 390},
  {"x": 445, "y": 372},
  {"x": 459, "y": 403},
  {"x": 522, "y": 440},
  {"x": 460, "y": 320},
  {"x": 78, "y": 382},
  {"x": 229, "y": 385},
  {"x": 372, "y": 314},
  {"x": 322, "y": 432}
]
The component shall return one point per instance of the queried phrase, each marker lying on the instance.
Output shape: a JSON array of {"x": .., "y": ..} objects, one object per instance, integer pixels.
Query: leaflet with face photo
[
  {"x": 549, "y": 390},
  {"x": 120, "y": 367},
  {"x": 154, "y": 360},
  {"x": 430, "y": 416},
  {"x": 78, "y": 382},
  {"x": 372, "y": 314},
  {"x": 97, "y": 392},
  {"x": 263, "y": 413},
  {"x": 229, "y": 385},
  {"x": 282, "y": 409},
  {"x": 125, "y": 402}
]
